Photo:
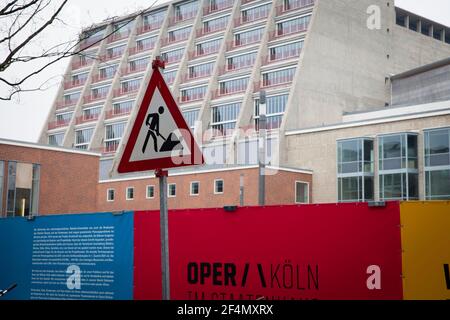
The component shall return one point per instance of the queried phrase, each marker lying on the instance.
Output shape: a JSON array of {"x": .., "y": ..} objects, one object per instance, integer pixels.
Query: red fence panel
[{"x": 345, "y": 251}]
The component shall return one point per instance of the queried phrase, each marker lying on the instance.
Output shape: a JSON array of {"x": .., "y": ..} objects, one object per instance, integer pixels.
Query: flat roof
[
  {"x": 27, "y": 144},
  {"x": 422, "y": 69}
]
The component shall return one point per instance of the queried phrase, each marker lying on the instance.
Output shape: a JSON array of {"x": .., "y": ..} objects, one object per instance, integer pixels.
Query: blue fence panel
[{"x": 87, "y": 257}]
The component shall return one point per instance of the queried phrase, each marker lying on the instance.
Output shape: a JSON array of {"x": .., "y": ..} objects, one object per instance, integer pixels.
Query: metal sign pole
[
  {"x": 164, "y": 227},
  {"x": 262, "y": 149}
]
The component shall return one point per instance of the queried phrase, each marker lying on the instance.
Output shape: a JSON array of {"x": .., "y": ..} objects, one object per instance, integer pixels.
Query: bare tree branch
[{"x": 13, "y": 9}]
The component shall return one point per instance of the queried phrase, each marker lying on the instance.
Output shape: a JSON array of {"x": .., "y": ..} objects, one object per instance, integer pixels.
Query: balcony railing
[
  {"x": 148, "y": 28},
  {"x": 285, "y": 32},
  {"x": 86, "y": 118},
  {"x": 204, "y": 31},
  {"x": 97, "y": 97},
  {"x": 109, "y": 149},
  {"x": 117, "y": 113},
  {"x": 246, "y": 1},
  {"x": 233, "y": 67},
  {"x": 65, "y": 103},
  {"x": 217, "y": 7},
  {"x": 191, "y": 98},
  {"x": 294, "y": 5},
  {"x": 168, "y": 40},
  {"x": 74, "y": 84},
  {"x": 123, "y": 92},
  {"x": 227, "y": 92},
  {"x": 99, "y": 77},
  {"x": 237, "y": 44},
  {"x": 116, "y": 36},
  {"x": 248, "y": 19},
  {"x": 188, "y": 77},
  {"x": 81, "y": 64},
  {"x": 196, "y": 54},
  {"x": 274, "y": 58},
  {"x": 130, "y": 70},
  {"x": 275, "y": 82},
  {"x": 58, "y": 124},
  {"x": 108, "y": 57},
  {"x": 180, "y": 18},
  {"x": 136, "y": 50}
]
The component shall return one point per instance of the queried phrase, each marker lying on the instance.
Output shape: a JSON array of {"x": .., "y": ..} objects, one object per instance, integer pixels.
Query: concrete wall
[
  {"x": 318, "y": 151},
  {"x": 68, "y": 180},
  {"x": 280, "y": 189},
  {"x": 345, "y": 64}
]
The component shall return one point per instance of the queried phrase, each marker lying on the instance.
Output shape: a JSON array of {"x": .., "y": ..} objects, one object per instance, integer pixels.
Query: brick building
[{"x": 39, "y": 180}]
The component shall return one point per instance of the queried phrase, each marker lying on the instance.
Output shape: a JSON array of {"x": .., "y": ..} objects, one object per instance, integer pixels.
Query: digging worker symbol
[{"x": 152, "y": 123}]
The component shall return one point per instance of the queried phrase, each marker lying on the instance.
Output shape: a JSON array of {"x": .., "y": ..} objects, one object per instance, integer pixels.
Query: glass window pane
[
  {"x": 11, "y": 195},
  {"x": 368, "y": 189},
  {"x": 391, "y": 186},
  {"x": 413, "y": 186},
  {"x": 35, "y": 189},
  {"x": 438, "y": 185},
  {"x": 301, "y": 192}
]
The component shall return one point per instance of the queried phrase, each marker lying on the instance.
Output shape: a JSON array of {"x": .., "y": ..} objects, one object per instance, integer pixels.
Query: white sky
[{"x": 24, "y": 117}]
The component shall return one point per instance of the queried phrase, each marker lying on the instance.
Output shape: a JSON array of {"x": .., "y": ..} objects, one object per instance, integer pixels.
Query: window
[
  {"x": 275, "y": 107},
  {"x": 63, "y": 118},
  {"x": 301, "y": 192},
  {"x": 79, "y": 79},
  {"x": 91, "y": 113},
  {"x": 83, "y": 138},
  {"x": 138, "y": 65},
  {"x": 295, "y": 4},
  {"x": 113, "y": 134},
  {"x": 215, "y": 24},
  {"x": 201, "y": 70},
  {"x": 285, "y": 51},
  {"x": 146, "y": 44},
  {"x": 110, "y": 194},
  {"x": 218, "y": 186},
  {"x": 398, "y": 167},
  {"x": 191, "y": 116},
  {"x": 130, "y": 85},
  {"x": 255, "y": 13},
  {"x": 193, "y": 94},
  {"x": 248, "y": 37},
  {"x": 123, "y": 107},
  {"x": 150, "y": 194},
  {"x": 274, "y": 78},
  {"x": 153, "y": 20},
  {"x": 437, "y": 164},
  {"x": 186, "y": 11},
  {"x": 2, "y": 173},
  {"x": 355, "y": 170},
  {"x": 107, "y": 72},
  {"x": 224, "y": 118},
  {"x": 122, "y": 28},
  {"x": 215, "y": 5},
  {"x": 115, "y": 52},
  {"x": 179, "y": 34},
  {"x": 233, "y": 86},
  {"x": 72, "y": 98},
  {"x": 23, "y": 189},
  {"x": 170, "y": 76},
  {"x": 208, "y": 47},
  {"x": 56, "y": 139},
  {"x": 241, "y": 61},
  {"x": 172, "y": 190},
  {"x": 100, "y": 92},
  {"x": 130, "y": 193},
  {"x": 195, "y": 188},
  {"x": 93, "y": 36},
  {"x": 292, "y": 26},
  {"x": 173, "y": 56}
]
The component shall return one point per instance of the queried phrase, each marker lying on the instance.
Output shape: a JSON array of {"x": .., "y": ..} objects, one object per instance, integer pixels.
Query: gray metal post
[
  {"x": 164, "y": 225},
  {"x": 262, "y": 149}
]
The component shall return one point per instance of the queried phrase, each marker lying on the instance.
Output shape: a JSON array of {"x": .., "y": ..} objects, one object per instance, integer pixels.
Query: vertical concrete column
[
  {"x": 419, "y": 25},
  {"x": 431, "y": 30},
  {"x": 421, "y": 165},
  {"x": 407, "y": 22},
  {"x": 443, "y": 35},
  {"x": 376, "y": 170}
]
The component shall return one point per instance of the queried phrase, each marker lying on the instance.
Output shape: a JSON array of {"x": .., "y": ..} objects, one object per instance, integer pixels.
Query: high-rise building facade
[{"x": 316, "y": 61}]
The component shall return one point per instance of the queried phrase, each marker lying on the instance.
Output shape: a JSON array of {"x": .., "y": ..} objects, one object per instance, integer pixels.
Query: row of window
[
  {"x": 171, "y": 190},
  {"x": 398, "y": 167},
  {"x": 301, "y": 191}
]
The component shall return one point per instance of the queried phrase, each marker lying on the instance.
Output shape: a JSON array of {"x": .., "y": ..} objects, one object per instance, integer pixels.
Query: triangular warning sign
[{"x": 160, "y": 137}]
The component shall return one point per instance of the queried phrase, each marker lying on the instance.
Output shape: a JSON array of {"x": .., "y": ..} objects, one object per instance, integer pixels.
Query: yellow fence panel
[{"x": 426, "y": 250}]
